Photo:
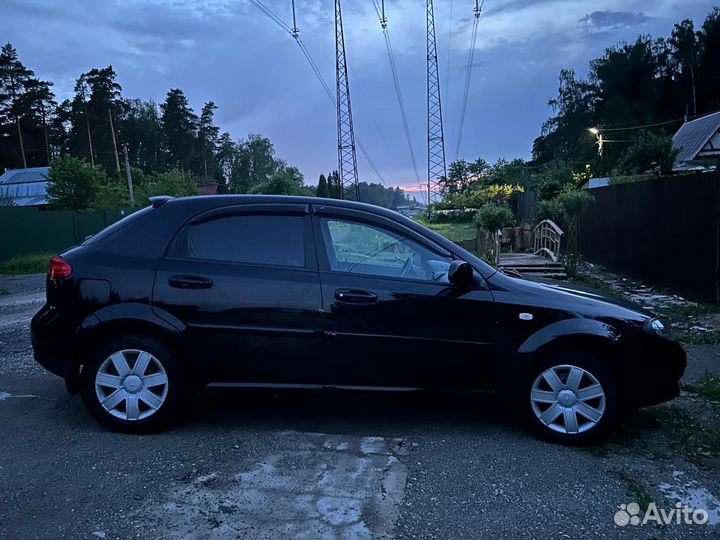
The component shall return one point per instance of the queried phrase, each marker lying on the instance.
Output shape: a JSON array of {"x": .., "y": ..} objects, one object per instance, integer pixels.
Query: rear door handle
[
  {"x": 353, "y": 296},
  {"x": 190, "y": 282}
]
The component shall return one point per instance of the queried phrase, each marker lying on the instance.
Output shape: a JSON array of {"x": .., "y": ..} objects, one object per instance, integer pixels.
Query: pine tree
[
  {"x": 180, "y": 128},
  {"x": 13, "y": 75},
  {"x": 334, "y": 185},
  {"x": 208, "y": 140},
  {"x": 40, "y": 101},
  {"x": 322, "y": 189}
]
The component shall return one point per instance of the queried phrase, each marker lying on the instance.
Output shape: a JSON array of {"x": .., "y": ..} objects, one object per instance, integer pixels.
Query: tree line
[
  {"x": 653, "y": 82},
  {"x": 641, "y": 92},
  {"x": 169, "y": 146}
]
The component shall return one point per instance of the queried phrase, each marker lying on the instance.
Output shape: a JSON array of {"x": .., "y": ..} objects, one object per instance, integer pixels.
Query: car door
[
  {"x": 244, "y": 282},
  {"x": 390, "y": 314}
]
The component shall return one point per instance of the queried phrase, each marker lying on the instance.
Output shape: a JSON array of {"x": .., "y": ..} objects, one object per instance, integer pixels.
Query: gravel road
[{"x": 308, "y": 464}]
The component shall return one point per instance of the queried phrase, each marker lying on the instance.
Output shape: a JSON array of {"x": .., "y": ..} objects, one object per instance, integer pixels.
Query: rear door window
[{"x": 277, "y": 240}]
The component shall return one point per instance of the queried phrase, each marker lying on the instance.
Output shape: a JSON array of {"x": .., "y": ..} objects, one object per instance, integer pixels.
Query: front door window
[{"x": 360, "y": 248}]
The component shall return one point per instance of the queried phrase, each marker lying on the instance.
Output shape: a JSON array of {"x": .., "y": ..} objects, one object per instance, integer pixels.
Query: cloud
[
  {"x": 229, "y": 52},
  {"x": 608, "y": 21}
]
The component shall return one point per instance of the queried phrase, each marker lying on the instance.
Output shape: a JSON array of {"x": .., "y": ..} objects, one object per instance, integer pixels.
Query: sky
[{"x": 229, "y": 52}]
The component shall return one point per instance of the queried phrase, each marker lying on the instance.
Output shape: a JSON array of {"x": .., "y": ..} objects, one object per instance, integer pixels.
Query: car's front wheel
[
  {"x": 571, "y": 398},
  {"x": 132, "y": 384}
]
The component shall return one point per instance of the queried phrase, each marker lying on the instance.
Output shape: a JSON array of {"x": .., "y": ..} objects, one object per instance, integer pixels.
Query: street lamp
[{"x": 600, "y": 141}]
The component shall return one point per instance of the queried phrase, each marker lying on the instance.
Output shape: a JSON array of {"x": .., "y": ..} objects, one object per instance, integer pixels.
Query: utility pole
[
  {"x": 294, "y": 32},
  {"x": 436, "y": 139},
  {"x": 22, "y": 145},
  {"x": 112, "y": 130},
  {"x": 129, "y": 176},
  {"x": 692, "y": 75},
  {"x": 45, "y": 131},
  {"x": 87, "y": 125},
  {"x": 347, "y": 160}
]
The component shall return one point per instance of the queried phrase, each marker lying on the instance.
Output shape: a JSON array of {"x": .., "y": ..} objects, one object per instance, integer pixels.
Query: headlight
[{"x": 656, "y": 327}]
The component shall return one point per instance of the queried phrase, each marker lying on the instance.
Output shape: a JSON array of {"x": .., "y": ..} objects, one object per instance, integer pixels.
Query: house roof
[
  {"x": 26, "y": 187},
  {"x": 693, "y": 135}
]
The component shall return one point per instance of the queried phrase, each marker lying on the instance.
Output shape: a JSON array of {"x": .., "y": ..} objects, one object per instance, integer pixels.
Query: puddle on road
[
  {"x": 6, "y": 395},
  {"x": 690, "y": 493},
  {"x": 315, "y": 486}
]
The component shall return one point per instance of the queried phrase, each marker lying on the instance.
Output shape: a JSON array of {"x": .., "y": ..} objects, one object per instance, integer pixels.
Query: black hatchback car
[{"x": 269, "y": 290}]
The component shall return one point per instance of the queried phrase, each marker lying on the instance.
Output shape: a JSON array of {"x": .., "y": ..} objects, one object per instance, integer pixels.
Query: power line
[
  {"x": 380, "y": 11},
  {"x": 644, "y": 126},
  {"x": 315, "y": 69},
  {"x": 277, "y": 20},
  {"x": 468, "y": 73},
  {"x": 295, "y": 33}
]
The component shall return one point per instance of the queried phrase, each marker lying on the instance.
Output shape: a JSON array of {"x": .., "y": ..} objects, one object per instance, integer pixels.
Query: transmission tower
[
  {"x": 436, "y": 140},
  {"x": 347, "y": 161}
]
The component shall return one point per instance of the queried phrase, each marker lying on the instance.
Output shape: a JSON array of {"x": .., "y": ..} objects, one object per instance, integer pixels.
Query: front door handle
[
  {"x": 190, "y": 282},
  {"x": 354, "y": 296}
]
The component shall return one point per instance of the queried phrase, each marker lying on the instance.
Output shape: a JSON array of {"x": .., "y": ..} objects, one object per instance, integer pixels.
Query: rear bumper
[{"x": 51, "y": 341}]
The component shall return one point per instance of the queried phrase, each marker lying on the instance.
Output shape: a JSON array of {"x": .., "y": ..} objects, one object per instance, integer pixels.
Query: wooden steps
[{"x": 532, "y": 265}]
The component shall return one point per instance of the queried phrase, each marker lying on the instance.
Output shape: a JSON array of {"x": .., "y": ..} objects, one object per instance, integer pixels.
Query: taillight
[{"x": 59, "y": 268}]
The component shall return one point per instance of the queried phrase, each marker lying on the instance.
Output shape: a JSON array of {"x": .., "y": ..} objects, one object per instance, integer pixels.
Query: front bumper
[
  {"x": 655, "y": 366},
  {"x": 51, "y": 341}
]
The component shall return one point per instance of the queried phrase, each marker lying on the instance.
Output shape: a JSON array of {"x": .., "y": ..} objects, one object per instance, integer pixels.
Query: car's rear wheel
[
  {"x": 133, "y": 384},
  {"x": 571, "y": 397}
]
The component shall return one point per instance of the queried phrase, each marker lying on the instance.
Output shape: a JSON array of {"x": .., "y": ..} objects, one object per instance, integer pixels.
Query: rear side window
[
  {"x": 118, "y": 225},
  {"x": 253, "y": 239}
]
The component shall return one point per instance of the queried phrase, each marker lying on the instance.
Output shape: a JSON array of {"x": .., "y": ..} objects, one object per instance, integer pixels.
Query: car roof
[{"x": 227, "y": 200}]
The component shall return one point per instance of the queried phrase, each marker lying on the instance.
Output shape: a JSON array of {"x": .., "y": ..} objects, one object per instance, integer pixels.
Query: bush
[
  {"x": 649, "y": 153},
  {"x": 174, "y": 183},
  {"x": 73, "y": 183},
  {"x": 566, "y": 208},
  {"x": 493, "y": 216},
  {"x": 113, "y": 193},
  {"x": 287, "y": 181}
]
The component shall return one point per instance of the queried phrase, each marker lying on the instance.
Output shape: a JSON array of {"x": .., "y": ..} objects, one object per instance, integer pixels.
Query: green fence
[{"x": 25, "y": 230}]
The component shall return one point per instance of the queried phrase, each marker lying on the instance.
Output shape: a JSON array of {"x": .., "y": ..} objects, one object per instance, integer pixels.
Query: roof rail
[{"x": 159, "y": 200}]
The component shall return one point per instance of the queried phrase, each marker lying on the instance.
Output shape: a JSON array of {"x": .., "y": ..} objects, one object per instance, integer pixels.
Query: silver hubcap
[
  {"x": 131, "y": 384},
  {"x": 567, "y": 399}
]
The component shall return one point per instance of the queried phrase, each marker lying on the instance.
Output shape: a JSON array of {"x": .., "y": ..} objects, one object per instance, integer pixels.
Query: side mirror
[{"x": 460, "y": 273}]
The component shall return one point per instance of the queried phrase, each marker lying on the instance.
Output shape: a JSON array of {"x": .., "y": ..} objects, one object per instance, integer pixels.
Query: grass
[
  {"x": 707, "y": 386},
  {"x": 593, "y": 283},
  {"x": 452, "y": 231},
  {"x": 693, "y": 309},
  {"x": 694, "y": 441},
  {"x": 636, "y": 491},
  {"x": 704, "y": 338},
  {"x": 33, "y": 263}
]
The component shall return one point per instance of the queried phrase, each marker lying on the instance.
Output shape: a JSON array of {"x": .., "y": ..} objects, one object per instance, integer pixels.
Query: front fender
[{"x": 567, "y": 328}]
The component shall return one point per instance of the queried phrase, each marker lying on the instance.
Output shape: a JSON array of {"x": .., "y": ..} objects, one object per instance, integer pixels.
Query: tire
[
  {"x": 580, "y": 407},
  {"x": 123, "y": 400}
]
